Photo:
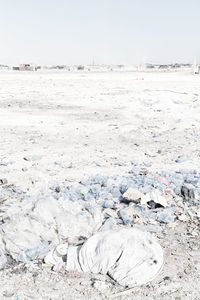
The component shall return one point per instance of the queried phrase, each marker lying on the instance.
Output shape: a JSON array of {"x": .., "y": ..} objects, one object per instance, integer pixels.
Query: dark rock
[
  {"x": 57, "y": 189},
  {"x": 187, "y": 192},
  {"x": 3, "y": 181}
]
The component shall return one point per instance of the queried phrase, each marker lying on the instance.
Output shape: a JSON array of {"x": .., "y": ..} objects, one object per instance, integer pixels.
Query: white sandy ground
[{"x": 70, "y": 125}]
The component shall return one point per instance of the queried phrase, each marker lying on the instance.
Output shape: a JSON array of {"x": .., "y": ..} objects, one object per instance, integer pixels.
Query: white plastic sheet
[{"x": 46, "y": 219}]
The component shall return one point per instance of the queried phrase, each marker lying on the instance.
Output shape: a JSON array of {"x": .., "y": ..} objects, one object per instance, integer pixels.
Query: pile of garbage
[{"x": 32, "y": 225}]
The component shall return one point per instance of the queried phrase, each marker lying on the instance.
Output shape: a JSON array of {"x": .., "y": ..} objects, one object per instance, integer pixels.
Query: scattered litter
[
  {"x": 133, "y": 195},
  {"x": 37, "y": 223},
  {"x": 154, "y": 199},
  {"x": 163, "y": 180}
]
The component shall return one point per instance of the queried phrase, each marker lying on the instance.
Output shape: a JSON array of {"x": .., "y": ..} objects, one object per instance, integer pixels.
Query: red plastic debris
[
  {"x": 163, "y": 180},
  {"x": 168, "y": 192}
]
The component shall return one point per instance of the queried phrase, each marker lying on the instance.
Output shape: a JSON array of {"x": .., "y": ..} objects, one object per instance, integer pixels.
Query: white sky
[{"x": 106, "y": 31}]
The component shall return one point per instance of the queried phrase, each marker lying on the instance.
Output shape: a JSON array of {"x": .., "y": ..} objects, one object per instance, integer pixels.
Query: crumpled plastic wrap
[{"x": 29, "y": 223}]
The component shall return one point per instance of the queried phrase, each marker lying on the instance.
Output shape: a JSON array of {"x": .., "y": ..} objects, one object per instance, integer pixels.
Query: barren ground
[{"x": 78, "y": 124}]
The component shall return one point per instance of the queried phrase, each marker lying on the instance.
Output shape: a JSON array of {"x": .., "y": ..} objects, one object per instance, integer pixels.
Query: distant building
[
  {"x": 27, "y": 67},
  {"x": 4, "y": 67},
  {"x": 80, "y": 68},
  {"x": 15, "y": 68},
  {"x": 163, "y": 67},
  {"x": 149, "y": 66},
  {"x": 57, "y": 67}
]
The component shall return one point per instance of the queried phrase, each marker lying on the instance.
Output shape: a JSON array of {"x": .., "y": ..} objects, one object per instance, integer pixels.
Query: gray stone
[
  {"x": 181, "y": 159},
  {"x": 187, "y": 192},
  {"x": 165, "y": 218},
  {"x": 33, "y": 157},
  {"x": 147, "y": 163}
]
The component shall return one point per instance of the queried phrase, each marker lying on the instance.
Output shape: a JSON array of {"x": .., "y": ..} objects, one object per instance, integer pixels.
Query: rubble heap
[{"x": 31, "y": 225}]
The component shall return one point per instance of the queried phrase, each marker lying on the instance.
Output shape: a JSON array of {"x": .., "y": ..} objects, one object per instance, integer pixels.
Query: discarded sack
[{"x": 129, "y": 256}]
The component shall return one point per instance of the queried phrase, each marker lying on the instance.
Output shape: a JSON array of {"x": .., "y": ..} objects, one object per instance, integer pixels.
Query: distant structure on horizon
[
  {"x": 149, "y": 67},
  {"x": 166, "y": 66},
  {"x": 196, "y": 69},
  {"x": 4, "y": 67},
  {"x": 27, "y": 67}
]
